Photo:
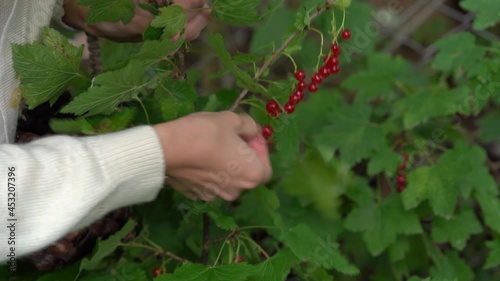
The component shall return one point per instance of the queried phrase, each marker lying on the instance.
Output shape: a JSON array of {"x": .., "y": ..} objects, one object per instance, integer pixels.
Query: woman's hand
[
  {"x": 196, "y": 21},
  {"x": 210, "y": 155}
]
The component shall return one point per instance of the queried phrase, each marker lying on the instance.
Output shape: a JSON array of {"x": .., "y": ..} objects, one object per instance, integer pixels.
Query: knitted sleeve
[{"x": 59, "y": 184}]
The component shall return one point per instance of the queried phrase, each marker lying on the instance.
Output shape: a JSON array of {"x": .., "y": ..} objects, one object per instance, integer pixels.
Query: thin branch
[{"x": 275, "y": 55}]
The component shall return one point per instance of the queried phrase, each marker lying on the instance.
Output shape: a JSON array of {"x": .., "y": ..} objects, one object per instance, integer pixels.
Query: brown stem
[
  {"x": 206, "y": 238},
  {"x": 278, "y": 52},
  {"x": 173, "y": 256},
  {"x": 182, "y": 65},
  {"x": 95, "y": 54}
]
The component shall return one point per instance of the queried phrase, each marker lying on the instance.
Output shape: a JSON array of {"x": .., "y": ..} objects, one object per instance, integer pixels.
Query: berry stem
[
  {"x": 321, "y": 47},
  {"x": 292, "y": 60},
  {"x": 273, "y": 57}
]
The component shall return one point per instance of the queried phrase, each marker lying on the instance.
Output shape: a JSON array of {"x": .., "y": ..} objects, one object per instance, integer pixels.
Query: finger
[
  {"x": 248, "y": 128},
  {"x": 195, "y": 25},
  {"x": 191, "y": 4},
  {"x": 182, "y": 188},
  {"x": 259, "y": 146}
]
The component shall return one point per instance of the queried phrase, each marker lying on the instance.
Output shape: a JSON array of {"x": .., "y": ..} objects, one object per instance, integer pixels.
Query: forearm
[{"x": 64, "y": 183}]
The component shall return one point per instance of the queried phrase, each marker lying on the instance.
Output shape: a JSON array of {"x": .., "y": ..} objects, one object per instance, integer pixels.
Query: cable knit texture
[{"x": 64, "y": 183}]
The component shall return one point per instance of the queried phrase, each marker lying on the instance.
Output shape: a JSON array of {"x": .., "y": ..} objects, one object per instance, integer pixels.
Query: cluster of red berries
[
  {"x": 331, "y": 66},
  {"x": 402, "y": 173}
]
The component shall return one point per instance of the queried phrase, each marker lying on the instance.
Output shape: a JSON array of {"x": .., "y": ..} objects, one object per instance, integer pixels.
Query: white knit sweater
[{"x": 63, "y": 183}]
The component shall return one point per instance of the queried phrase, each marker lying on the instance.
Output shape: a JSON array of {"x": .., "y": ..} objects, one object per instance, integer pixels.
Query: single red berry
[
  {"x": 300, "y": 75},
  {"x": 313, "y": 87},
  {"x": 324, "y": 71},
  {"x": 336, "y": 50},
  {"x": 401, "y": 187},
  {"x": 296, "y": 97},
  {"x": 300, "y": 94},
  {"x": 302, "y": 85},
  {"x": 406, "y": 157},
  {"x": 289, "y": 107},
  {"x": 335, "y": 69},
  {"x": 157, "y": 271},
  {"x": 239, "y": 260},
  {"x": 346, "y": 34},
  {"x": 401, "y": 179},
  {"x": 267, "y": 132},
  {"x": 317, "y": 78},
  {"x": 276, "y": 113},
  {"x": 402, "y": 167},
  {"x": 272, "y": 106},
  {"x": 333, "y": 61}
]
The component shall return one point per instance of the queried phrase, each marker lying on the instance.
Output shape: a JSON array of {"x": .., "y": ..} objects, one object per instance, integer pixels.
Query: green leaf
[
  {"x": 384, "y": 160},
  {"x": 342, "y": 4},
  {"x": 308, "y": 246},
  {"x": 172, "y": 19},
  {"x": 376, "y": 81},
  {"x": 243, "y": 78},
  {"x": 157, "y": 51},
  {"x": 46, "y": 69},
  {"x": 222, "y": 221},
  {"x": 198, "y": 272},
  {"x": 236, "y": 12},
  {"x": 106, "y": 247},
  {"x": 489, "y": 127},
  {"x": 131, "y": 272},
  {"x": 490, "y": 205},
  {"x": 276, "y": 268},
  {"x": 317, "y": 181},
  {"x": 176, "y": 100},
  {"x": 109, "y": 91},
  {"x": 426, "y": 104},
  {"x": 109, "y": 10},
  {"x": 458, "y": 169},
  {"x": 458, "y": 51},
  {"x": 488, "y": 12},
  {"x": 351, "y": 131},
  {"x": 382, "y": 223},
  {"x": 287, "y": 138},
  {"x": 456, "y": 230},
  {"x": 494, "y": 256},
  {"x": 451, "y": 267}
]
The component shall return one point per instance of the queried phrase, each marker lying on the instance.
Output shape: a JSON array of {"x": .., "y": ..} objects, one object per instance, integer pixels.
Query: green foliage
[
  {"x": 34, "y": 63},
  {"x": 488, "y": 12},
  {"x": 332, "y": 210},
  {"x": 109, "y": 10}
]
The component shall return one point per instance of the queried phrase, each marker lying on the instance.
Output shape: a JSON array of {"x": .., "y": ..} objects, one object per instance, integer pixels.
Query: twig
[
  {"x": 157, "y": 251},
  {"x": 182, "y": 65},
  {"x": 277, "y": 53},
  {"x": 206, "y": 238},
  {"x": 95, "y": 54}
]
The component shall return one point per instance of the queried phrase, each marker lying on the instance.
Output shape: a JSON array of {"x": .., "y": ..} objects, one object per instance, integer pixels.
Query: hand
[
  {"x": 210, "y": 155},
  {"x": 196, "y": 21}
]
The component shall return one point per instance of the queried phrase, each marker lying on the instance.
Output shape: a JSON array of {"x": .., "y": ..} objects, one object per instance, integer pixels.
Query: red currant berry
[
  {"x": 333, "y": 61},
  {"x": 335, "y": 69},
  {"x": 406, "y": 157},
  {"x": 401, "y": 187},
  {"x": 313, "y": 87},
  {"x": 239, "y": 260},
  {"x": 402, "y": 167},
  {"x": 157, "y": 271},
  {"x": 401, "y": 179},
  {"x": 300, "y": 75},
  {"x": 336, "y": 50},
  {"x": 272, "y": 106},
  {"x": 267, "y": 132},
  {"x": 301, "y": 86},
  {"x": 289, "y": 107},
  {"x": 346, "y": 34},
  {"x": 296, "y": 97},
  {"x": 324, "y": 71},
  {"x": 317, "y": 78}
]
